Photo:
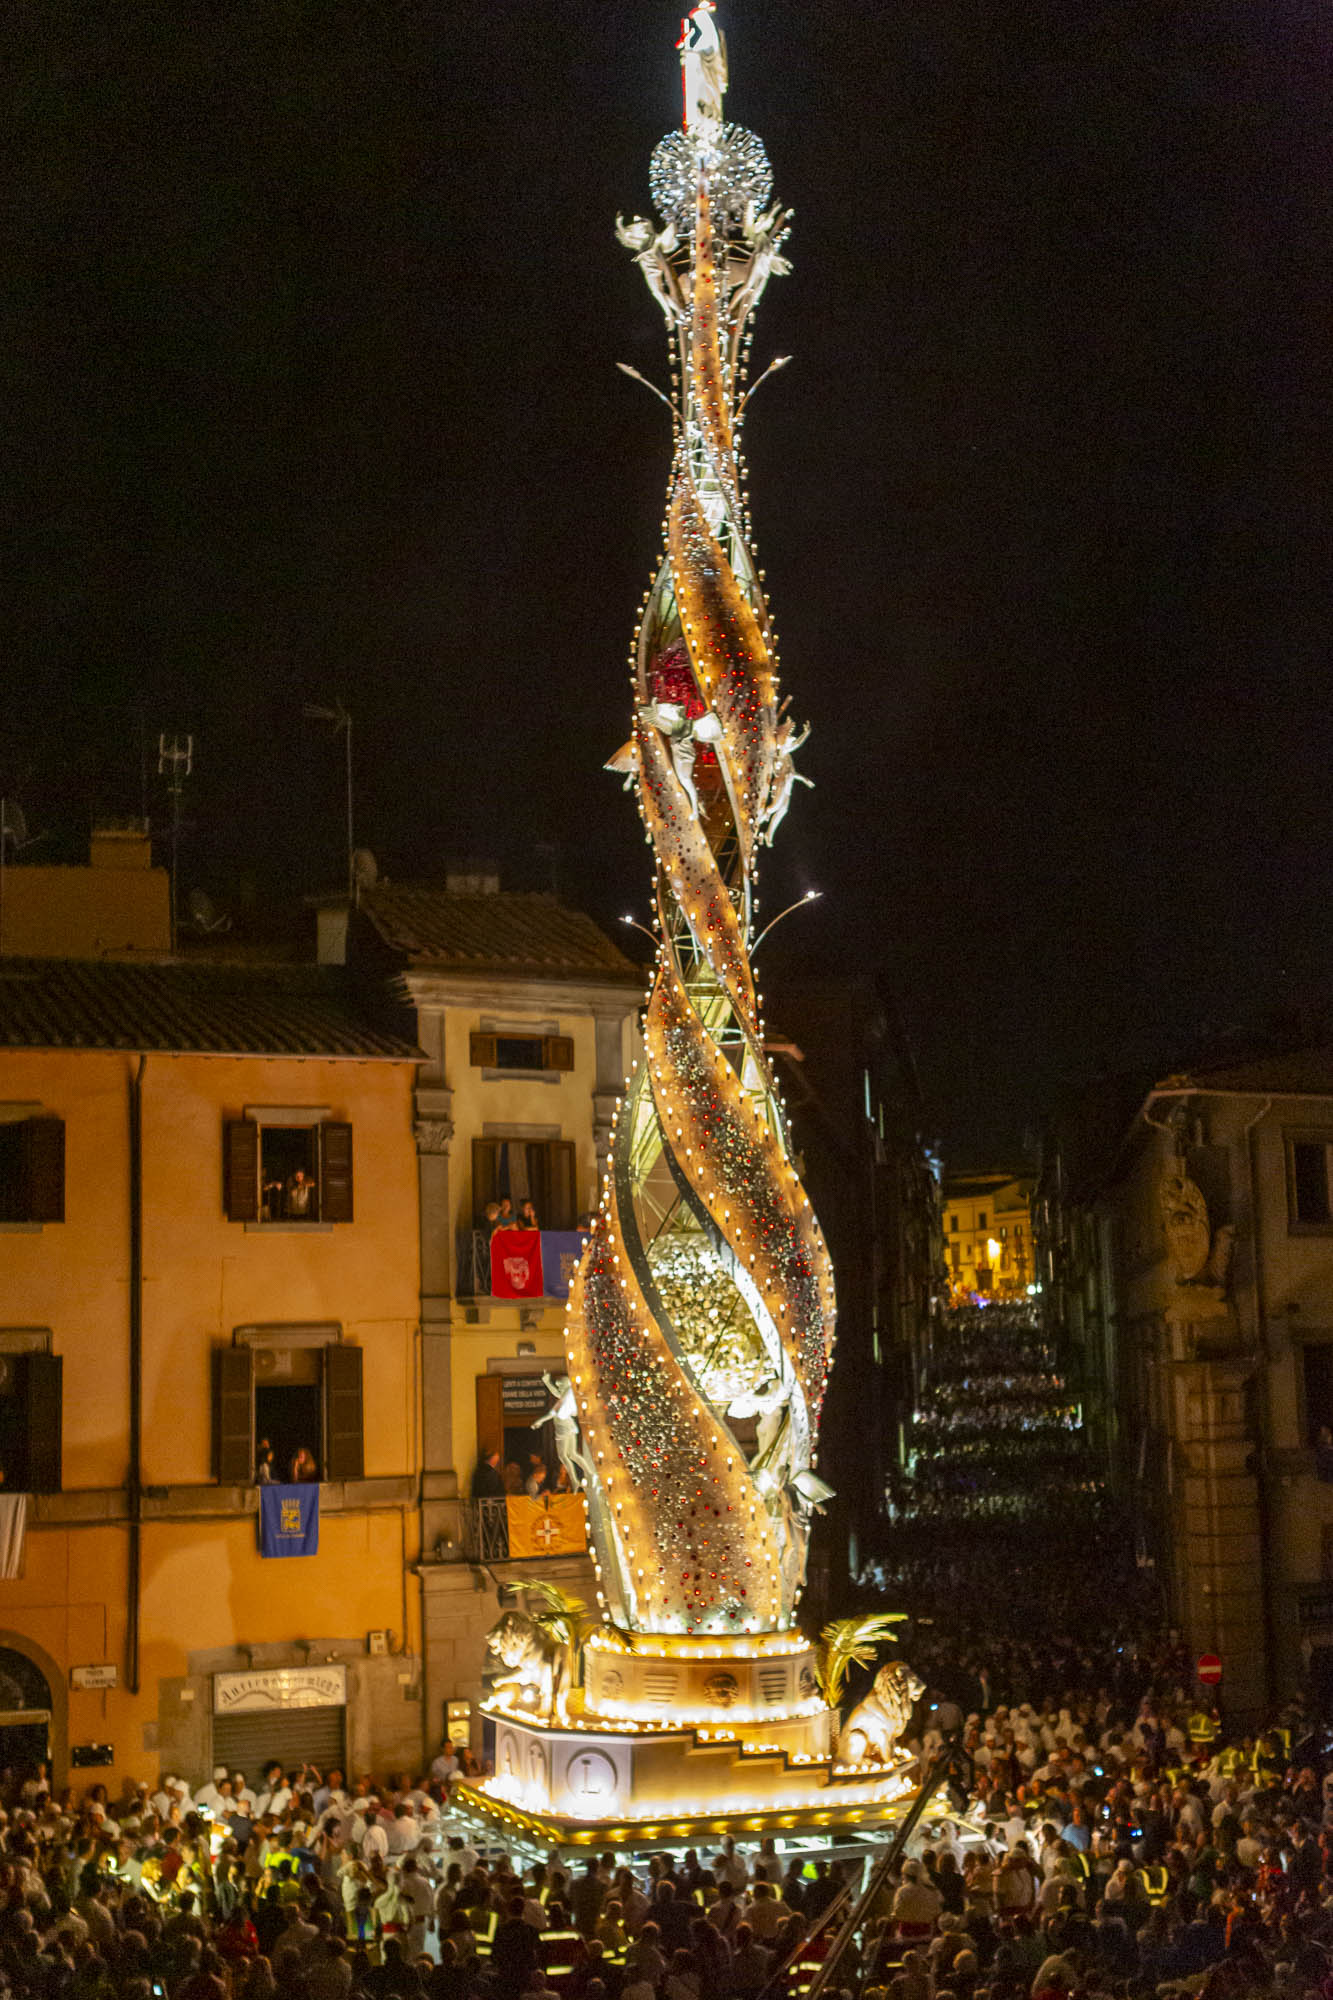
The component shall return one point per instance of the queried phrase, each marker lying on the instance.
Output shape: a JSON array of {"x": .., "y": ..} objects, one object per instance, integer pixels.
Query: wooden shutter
[
  {"x": 41, "y": 1389},
  {"x": 335, "y": 1173},
  {"x": 240, "y": 1170},
  {"x": 490, "y": 1415},
  {"x": 485, "y": 1175},
  {"x": 561, "y": 1189},
  {"x": 482, "y": 1051},
  {"x": 233, "y": 1416},
  {"x": 344, "y": 1420},
  {"x": 44, "y": 1170},
  {"x": 558, "y": 1052}
]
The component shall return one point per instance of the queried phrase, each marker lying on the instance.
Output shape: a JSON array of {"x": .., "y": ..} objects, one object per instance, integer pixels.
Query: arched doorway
[{"x": 25, "y": 1719}]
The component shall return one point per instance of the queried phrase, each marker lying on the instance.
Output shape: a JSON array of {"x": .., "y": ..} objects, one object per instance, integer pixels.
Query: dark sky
[{"x": 311, "y": 315}]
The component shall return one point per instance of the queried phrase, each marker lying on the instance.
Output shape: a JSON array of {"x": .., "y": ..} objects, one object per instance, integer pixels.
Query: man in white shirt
[
  {"x": 416, "y": 1890},
  {"x": 446, "y": 1766},
  {"x": 765, "y": 1912},
  {"x": 403, "y": 1831},
  {"x": 207, "y": 1795},
  {"x": 242, "y": 1794}
]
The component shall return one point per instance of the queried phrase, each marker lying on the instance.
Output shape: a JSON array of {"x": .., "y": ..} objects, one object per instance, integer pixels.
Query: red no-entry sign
[{"x": 1209, "y": 1669}]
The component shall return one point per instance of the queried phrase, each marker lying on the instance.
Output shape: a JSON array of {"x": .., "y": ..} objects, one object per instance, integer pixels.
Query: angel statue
[
  {"x": 785, "y": 774},
  {"x": 563, "y": 1418},
  {"x": 703, "y": 58}
]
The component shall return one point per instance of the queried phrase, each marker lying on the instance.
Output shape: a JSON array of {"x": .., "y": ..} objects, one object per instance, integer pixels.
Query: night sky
[{"x": 309, "y": 329}]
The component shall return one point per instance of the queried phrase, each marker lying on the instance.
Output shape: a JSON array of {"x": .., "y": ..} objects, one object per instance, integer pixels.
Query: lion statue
[
  {"x": 875, "y": 1724},
  {"x": 531, "y": 1670}
]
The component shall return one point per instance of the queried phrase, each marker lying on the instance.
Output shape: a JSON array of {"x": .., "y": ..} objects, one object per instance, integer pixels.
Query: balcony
[
  {"x": 519, "y": 1529},
  {"x": 554, "y": 1255}
]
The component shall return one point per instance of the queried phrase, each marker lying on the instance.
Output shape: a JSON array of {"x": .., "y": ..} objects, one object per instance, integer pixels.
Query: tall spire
[{"x": 701, "y": 1321}]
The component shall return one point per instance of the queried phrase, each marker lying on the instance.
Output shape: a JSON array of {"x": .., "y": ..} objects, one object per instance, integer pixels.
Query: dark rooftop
[
  {"x": 1294, "y": 1073},
  {"x": 514, "y": 936},
  {"x": 272, "y": 1010}
]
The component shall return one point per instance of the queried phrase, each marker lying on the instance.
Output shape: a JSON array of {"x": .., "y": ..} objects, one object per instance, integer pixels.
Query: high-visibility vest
[
  {"x": 1079, "y": 1862},
  {"x": 1202, "y": 1728},
  {"x": 1156, "y": 1880}
]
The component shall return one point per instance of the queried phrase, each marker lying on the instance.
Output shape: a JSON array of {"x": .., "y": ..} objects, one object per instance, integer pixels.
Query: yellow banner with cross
[{"x": 554, "y": 1524}]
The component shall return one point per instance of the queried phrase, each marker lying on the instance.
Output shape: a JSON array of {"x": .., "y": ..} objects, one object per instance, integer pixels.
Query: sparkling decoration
[
  {"x": 736, "y": 165},
  {"x": 700, "y": 1322}
]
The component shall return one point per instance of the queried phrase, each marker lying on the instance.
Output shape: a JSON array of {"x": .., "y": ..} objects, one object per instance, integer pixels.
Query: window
[
  {"x": 523, "y": 1052},
  {"x": 981, "y": 1219},
  {"x": 953, "y": 1225},
  {"x": 1317, "y": 1385},
  {"x": 1307, "y": 1183},
  {"x": 292, "y": 1393},
  {"x": 288, "y": 1173},
  {"x": 32, "y": 1170},
  {"x": 30, "y": 1412},
  {"x": 541, "y": 1171}
]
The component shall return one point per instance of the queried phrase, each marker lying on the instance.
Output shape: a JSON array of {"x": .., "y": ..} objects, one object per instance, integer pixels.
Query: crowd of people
[{"x": 1116, "y": 1844}]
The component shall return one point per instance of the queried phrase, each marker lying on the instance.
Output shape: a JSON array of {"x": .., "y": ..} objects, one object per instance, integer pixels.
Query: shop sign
[
  {"x": 94, "y": 1677},
  {"x": 270, "y": 1691}
]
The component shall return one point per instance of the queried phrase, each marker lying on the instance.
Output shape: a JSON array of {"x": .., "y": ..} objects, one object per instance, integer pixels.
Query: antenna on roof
[{"x": 175, "y": 762}]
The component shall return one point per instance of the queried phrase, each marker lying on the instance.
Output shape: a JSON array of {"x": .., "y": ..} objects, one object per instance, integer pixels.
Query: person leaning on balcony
[
  {"x": 488, "y": 1480},
  {"x": 527, "y": 1216}
]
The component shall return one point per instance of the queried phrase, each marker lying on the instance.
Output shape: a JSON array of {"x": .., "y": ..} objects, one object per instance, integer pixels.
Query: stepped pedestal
[{"x": 683, "y": 1739}]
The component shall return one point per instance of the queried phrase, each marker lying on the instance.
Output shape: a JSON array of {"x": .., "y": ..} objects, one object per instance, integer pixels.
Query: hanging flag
[
  {"x": 561, "y": 1250},
  {"x": 13, "y": 1527},
  {"x": 552, "y": 1525},
  {"x": 289, "y": 1520},
  {"x": 516, "y": 1264}
]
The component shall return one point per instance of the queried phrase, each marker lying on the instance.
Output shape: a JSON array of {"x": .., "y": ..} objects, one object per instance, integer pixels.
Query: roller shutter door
[{"x": 295, "y": 1736}]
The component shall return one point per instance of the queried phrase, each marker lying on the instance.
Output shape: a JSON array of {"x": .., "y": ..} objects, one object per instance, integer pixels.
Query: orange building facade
[{"x": 159, "y": 1316}]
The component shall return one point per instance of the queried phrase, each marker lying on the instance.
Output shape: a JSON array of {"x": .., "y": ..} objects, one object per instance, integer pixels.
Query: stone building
[
  {"x": 859, "y": 1122},
  {"x": 988, "y": 1235},
  {"x": 1190, "y": 1233},
  {"x": 527, "y": 1016}
]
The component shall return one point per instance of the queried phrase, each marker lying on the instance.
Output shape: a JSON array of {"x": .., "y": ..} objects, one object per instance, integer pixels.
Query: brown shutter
[
  {"x": 41, "y": 1388},
  {"x": 482, "y": 1051},
  {"x": 335, "y": 1173},
  {"x": 490, "y": 1415},
  {"x": 240, "y": 1170},
  {"x": 558, "y": 1052},
  {"x": 344, "y": 1422},
  {"x": 44, "y": 1170},
  {"x": 233, "y": 1416},
  {"x": 485, "y": 1174},
  {"x": 562, "y": 1192}
]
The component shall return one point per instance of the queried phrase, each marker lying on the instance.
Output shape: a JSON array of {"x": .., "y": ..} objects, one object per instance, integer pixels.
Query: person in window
[
  {"x": 504, "y": 1214},
  {"x": 490, "y": 1217},
  {"x": 527, "y": 1216},
  {"x": 535, "y": 1483},
  {"x": 264, "y": 1463},
  {"x": 513, "y": 1477},
  {"x": 299, "y": 1201},
  {"x": 303, "y": 1467},
  {"x": 487, "y": 1480}
]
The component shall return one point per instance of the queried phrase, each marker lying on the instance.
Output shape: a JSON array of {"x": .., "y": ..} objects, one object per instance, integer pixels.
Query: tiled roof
[
  {"x": 515, "y": 936},
  {"x": 1298, "y": 1073},
  {"x": 274, "y": 1010}
]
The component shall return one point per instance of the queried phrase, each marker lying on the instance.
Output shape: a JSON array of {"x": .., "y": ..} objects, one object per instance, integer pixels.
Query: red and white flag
[{"x": 516, "y": 1264}]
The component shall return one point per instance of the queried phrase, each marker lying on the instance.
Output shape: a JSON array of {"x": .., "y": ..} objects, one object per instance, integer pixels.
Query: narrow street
[{"x": 1003, "y": 1544}]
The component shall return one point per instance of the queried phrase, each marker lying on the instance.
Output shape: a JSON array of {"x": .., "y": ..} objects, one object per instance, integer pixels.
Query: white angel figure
[
  {"x": 564, "y": 1421},
  {"x": 785, "y": 774}
]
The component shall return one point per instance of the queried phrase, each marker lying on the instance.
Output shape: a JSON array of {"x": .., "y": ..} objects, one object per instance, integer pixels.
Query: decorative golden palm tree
[{"x": 848, "y": 1643}]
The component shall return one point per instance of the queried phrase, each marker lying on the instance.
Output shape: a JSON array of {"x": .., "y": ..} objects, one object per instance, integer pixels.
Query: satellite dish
[
  {"x": 365, "y": 868},
  {"x": 13, "y": 823},
  {"x": 203, "y": 914}
]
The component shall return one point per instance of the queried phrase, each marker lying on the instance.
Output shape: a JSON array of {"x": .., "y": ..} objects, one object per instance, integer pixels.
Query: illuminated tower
[{"x": 700, "y": 1323}]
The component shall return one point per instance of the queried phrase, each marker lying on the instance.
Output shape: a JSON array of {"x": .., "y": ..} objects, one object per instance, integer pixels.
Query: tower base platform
[{"x": 681, "y": 1740}]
